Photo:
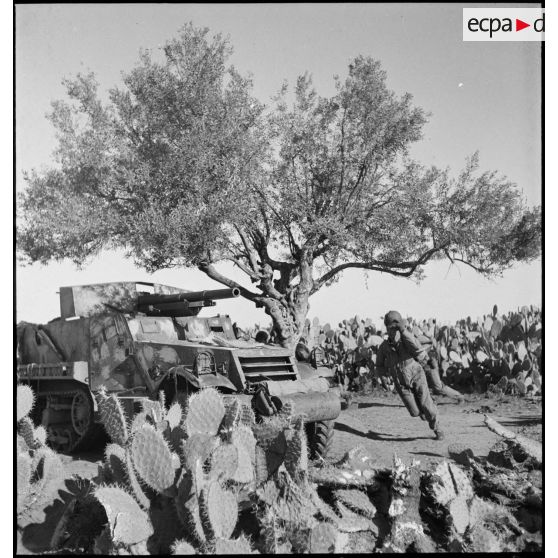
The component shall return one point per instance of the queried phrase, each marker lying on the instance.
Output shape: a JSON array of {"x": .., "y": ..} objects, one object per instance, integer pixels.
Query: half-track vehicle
[{"x": 137, "y": 339}]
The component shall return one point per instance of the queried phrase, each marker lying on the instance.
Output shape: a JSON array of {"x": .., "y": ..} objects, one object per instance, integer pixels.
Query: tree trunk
[{"x": 288, "y": 319}]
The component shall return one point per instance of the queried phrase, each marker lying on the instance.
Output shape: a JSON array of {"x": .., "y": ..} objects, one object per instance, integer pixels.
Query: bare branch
[
  {"x": 210, "y": 271},
  {"x": 400, "y": 269}
]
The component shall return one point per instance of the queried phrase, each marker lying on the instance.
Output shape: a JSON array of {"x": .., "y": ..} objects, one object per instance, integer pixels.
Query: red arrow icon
[{"x": 519, "y": 25}]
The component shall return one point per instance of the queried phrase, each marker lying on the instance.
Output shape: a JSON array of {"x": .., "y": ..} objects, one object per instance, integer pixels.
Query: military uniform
[
  {"x": 432, "y": 371},
  {"x": 401, "y": 358}
]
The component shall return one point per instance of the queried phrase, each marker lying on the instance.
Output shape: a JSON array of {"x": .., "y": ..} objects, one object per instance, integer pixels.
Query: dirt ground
[{"x": 381, "y": 424}]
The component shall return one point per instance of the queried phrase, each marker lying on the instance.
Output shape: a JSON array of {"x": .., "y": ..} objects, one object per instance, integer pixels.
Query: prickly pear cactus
[
  {"x": 188, "y": 505},
  {"x": 25, "y": 399},
  {"x": 23, "y": 480},
  {"x": 198, "y": 447},
  {"x": 453, "y": 493},
  {"x": 154, "y": 409},
  {"x": 174, "y": 415},
  {"x": 458, "y": 510},
  {"x": 26, "y": 430},
  {"x": 134, "y": 484},
  {"x": 449, "y": 481},
  {"x": 128, "y": 523},
  {"x": 152, "y": 458},
  {"x": 322, "y": 539},
  {"x": 113, "y": 417},
  {"x": 243, "y": 439},
  {"x": 233, "y": 546},
  {"x": 205, "y": 413},
  {"x": 296, "y": 455},
  {"x": 272, "y": 440},
  {"x": 182, "y": 547},
  {"x": 224, "y": 462},
  {"x": 220, "y": 510},
  {"x": 40, "y": 435},
  {"x": 483, "y": 540},
  {"x": 138, "y": 421},
  {"x": 357, "y": 501},
  {"x": 115, "y": 460},
  {"x": 260, "y": 466}
]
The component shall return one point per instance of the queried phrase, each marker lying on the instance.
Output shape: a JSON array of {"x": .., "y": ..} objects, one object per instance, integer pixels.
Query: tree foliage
[{"x": 182, "y": 166}]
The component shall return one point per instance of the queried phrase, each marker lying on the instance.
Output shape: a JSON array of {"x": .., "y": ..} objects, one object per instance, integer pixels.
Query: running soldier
[{"x": 402, "y": 356}]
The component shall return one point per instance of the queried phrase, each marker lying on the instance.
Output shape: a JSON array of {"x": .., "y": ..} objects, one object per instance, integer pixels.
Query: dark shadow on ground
[
  {"x": 368, "y": 405},
  {"x": 378, "y": 436},
  {"x": 381, "y": 437},
  {"x": 428, "y": 453}
]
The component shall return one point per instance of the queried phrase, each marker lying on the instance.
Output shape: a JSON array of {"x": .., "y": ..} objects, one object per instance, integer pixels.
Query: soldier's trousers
[
  {"x": 412, "y": 387},
  {"x": 437, "y": 386}
]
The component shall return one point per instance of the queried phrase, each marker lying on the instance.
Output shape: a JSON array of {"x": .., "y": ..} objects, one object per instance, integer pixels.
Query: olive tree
[{"x": 183, "y": 167}]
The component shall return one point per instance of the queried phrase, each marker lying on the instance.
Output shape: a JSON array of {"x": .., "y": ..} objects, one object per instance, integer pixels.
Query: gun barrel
[{"x": 214, "y": 294}]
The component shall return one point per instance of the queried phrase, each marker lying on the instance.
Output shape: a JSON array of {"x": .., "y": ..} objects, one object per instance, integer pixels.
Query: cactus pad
[
  {"x": 247, "y": 417},
  {"x": 260, "y": 466},
  {"x": 233, "y": 412},
  {"x": 26, "y": 430},
  {"x": 174, "y": 415},
  {"x": 113, "y": 418},
  {"x": 224, "y": 462},
  {"x": 483, "y": 540},
  {"x": 324, "y": 509},
  {"x": 21, "y": 444},
  {"x": 182, "y": 547},
  {"x": 322, "y": 539},
  {"x": 220, "y": 510},
  {"x": 274, "y": 443},
  {"x": 23, "y": 479},
  {"x": 152, "y": 458},
  {"x": 129, "y": 524},
  {"x": 133, "y": 483},
  {"x": 244, "y": 472},
  {"x": 296, "y": 456},
  {"x": 459, "y": 512},
  {"x": 243, "y": 438},
  {"x": 461, "y": 481},
  {"x": 233, "y": 546},
  {"x": 139, "y": 420},
  {"x": 40, "y": 435},
  {"x": 187, "y": 505},
  {"x": 478, "y": 509},
  {"x": 205, "y": 413},
  {"x": 268, "y": 493},
  {"x": 449, "y": 481},
  {"x": 48, "y": 465},
  {"x": 115, "y": 458},
  {"x": 198, "y": 446},
  {"x": 357, "y": 501},
  {"x": 351, "y": 522},
  {"x": 153, "y": 409},
  {"x": 25, "y": 400}
]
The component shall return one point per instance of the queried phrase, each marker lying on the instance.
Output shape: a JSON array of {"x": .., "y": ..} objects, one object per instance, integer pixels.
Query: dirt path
[{"x": 383, "y": 426}]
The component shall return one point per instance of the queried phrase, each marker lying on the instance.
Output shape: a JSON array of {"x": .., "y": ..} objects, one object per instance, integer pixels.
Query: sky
[{"x": 482, "y": 96}]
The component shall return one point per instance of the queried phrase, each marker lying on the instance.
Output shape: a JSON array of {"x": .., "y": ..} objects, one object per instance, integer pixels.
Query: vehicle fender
[{"x": 199, "y": 382}]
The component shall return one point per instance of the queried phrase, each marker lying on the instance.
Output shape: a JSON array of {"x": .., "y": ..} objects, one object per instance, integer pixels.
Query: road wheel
[{"x": 320, "y": 437}]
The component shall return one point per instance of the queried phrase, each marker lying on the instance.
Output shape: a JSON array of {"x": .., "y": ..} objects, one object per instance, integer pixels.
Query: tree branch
[
  {"x": 249, "y": 253},
  {"x": 210, "y": 271},
  {"x": 393, "y": 268}
]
